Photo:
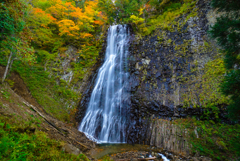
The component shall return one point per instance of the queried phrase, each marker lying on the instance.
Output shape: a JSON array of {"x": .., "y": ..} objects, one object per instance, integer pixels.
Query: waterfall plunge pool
[{"x": 126, "y": 152}]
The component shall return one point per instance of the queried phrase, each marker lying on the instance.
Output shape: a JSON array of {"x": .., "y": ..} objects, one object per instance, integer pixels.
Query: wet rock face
[{"x": 160, "y": 65}]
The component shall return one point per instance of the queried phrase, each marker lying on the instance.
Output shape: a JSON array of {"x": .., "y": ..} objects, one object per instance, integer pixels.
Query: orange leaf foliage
[
  {"x": 98, "y": 22},
  {"x": 86, "y": 35}
]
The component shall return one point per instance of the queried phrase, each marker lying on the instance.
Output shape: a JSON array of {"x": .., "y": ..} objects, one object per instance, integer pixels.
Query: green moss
[{"x": 207, "y": 91}]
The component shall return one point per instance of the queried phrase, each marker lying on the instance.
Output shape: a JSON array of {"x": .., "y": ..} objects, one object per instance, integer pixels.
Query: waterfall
[{"x": 106, "y": 116}]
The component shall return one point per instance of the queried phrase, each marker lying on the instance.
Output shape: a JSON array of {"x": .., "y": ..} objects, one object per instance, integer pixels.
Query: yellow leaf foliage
[
  {"x": 67, "y": 27},
  {"x": 72, "y": 21}
]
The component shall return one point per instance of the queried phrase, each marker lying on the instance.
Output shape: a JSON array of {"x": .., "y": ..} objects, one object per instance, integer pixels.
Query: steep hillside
[{"x": 28, "y": 132}]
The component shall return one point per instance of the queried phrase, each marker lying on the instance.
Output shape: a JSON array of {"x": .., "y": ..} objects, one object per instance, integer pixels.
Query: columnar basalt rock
[
  {"x": 164, "y": 134},
  {"x": 165, "y": 67}
]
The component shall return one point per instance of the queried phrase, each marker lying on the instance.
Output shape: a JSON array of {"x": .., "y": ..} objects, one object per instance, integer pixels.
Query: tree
[
  {"x": 14, "y": 38},
  {"x": 126, "y": 8},
  {"x": 40, "y": 23},
  {"x": 56, "y": 20},
  {"x": 159, "y": 4},
  {"x": 107, "y": 6},
  {"x": 227, "y": 33}
]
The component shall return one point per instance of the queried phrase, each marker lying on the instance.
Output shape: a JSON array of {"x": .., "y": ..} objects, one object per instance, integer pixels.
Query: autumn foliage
[{"x": 56, "y": 20}]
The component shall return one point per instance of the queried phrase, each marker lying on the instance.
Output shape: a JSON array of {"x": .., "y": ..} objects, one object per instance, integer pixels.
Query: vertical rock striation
[
  {"x": 165, "y": 67},
  {"x": 164, "y": 134}
]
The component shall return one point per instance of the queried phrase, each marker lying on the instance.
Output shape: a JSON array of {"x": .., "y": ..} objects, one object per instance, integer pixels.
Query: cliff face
[
  {"x": 166, "y": 71},
  {"x": 158, "y": 62}
]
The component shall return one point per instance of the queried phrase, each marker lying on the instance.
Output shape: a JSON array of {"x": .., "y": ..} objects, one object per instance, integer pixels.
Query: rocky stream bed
[{"x": 137, "y": 152}]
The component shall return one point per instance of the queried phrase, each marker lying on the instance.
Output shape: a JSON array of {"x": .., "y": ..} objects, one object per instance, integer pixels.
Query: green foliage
[
  {"x": 30, "y": 146},
  {"x": 11, "y": 22},
  {"x": 14, "y": 37},
  {"x": 43, "y": 56},
  {"x": 136, "y": 20},
  {"x": 167, "y": 19},
  {"x": 212, "y": 112},
  {"x": 7, "y": 22},
  {"x": 5, "y": 94},
  {"x": 42, "y": 4},
  {"x": 108, "y": 7},
  {"x": 172, "y": 7},
  {"x": 231, "y": 87},
  {"x": 218, "y": 141},
  {"x": 226, "y": 32},
  {"x": 160, "y": 5},
  {"x": 149, "y": 15},
  {"x": 225, "y": 5},
  {"x": 88, "y": 55},
  {"x": 53, "y": 97},
  {"x": 126, "y": 8}
]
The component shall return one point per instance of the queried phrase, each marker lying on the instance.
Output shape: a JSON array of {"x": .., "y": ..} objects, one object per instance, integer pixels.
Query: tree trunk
[{"x": 6, "y": 70}]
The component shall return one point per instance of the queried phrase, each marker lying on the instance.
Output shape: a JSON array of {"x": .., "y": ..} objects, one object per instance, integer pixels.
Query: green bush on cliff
[
  {"x": 145, "y": 16},
  {"x": 216, "y": 140},
  {"x": 168, "y": 17},
  {"x": 227, "y": 33}
]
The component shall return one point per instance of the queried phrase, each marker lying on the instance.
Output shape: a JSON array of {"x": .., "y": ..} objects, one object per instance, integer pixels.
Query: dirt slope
[{"x": 16, "y": 101}]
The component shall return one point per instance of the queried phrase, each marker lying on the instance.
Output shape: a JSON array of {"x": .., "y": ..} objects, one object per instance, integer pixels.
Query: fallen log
[{"x": 53, "y": 125}]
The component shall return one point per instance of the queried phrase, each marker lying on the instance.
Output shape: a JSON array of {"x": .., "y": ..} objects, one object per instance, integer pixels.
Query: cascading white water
[{"x": 105, "y": 118}]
